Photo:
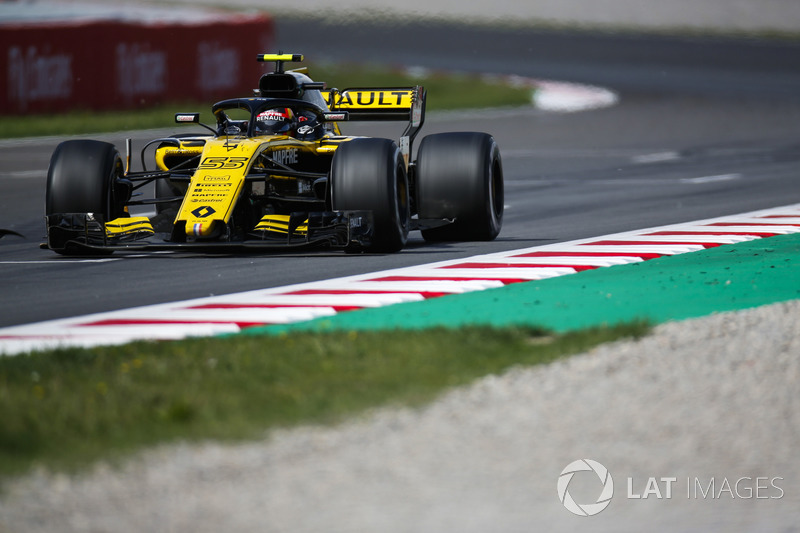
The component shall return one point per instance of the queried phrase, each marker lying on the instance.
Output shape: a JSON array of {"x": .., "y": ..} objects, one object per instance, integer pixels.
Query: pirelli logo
[{"x": 370, "y": 99}]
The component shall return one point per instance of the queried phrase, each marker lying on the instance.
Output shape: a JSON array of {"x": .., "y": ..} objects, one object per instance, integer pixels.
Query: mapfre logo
[{"x": 606, "y": 493}]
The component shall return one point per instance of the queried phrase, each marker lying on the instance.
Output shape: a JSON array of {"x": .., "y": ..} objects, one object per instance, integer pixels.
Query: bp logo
[{"x": 586, "y": 509}]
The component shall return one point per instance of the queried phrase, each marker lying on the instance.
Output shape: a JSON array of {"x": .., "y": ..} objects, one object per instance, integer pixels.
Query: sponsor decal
[
  {"x": 206, "y": 200},
  {"x": 220, "y": 66},
  {"x": 388, "y": 99},
  {"x": 180, "y": 151},
  {"x": 204, "y": 211},
  {"x": 333, "y": 117},
  {"x": 198, "y": 196},
  {"x": 272, "y": 115},
  {"x": 36, "y": 76},
  {"x": 305, "y": 130},
  {"x": 140, "y": 71},
  {"x": 185, "y": 118},
  {"x": 285, "y": 157},
  {"x": 304, "y": 186}
]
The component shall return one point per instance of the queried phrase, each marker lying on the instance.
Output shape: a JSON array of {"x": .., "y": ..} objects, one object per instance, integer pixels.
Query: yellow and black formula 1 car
[{"x": 275, "y": 172}]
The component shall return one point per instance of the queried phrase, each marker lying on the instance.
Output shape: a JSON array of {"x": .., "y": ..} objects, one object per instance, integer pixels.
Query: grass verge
[
  {"x": 446, "y": 91},
  {"x": 65, "y": 409}
]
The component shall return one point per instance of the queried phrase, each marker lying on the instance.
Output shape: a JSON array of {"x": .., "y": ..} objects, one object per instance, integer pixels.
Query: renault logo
[{"x": 203, "y": 212}]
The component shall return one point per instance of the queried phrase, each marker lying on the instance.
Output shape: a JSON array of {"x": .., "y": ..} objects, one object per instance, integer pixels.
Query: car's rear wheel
[
  {"x": 84, "y": 177},
  {"x": 460, "y": 176},
  {"x": 369, "y": 174}
]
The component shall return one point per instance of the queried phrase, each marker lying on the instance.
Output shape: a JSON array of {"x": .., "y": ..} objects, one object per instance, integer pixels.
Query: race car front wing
[{"x": 76, "y": 232}]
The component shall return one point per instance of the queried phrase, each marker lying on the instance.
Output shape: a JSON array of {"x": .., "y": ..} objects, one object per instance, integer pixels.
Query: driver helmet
[{"x": 279, "y": 121}]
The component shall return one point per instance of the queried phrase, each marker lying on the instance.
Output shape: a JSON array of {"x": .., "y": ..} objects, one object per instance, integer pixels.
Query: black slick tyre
[
  {"x": 85, "y": 177},
  {"x": 460, "y": 176},
  {"x": 82, "y": 178},
  {"x": 369, "y": 174}
]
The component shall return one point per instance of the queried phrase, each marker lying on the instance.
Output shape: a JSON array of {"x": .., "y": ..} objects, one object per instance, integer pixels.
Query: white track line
[
  {"x": 712, "y": 179},
  {"x": 230, "y": 313}
]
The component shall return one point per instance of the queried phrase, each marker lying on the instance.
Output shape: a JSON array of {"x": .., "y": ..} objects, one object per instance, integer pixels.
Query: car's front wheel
[
  {"x": 369, "y": 174},
  {"x": 85, "y": 177}
]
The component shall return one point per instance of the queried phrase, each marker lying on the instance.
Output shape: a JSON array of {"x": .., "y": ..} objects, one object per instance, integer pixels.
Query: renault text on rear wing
[{"x": 384, "y": 103}]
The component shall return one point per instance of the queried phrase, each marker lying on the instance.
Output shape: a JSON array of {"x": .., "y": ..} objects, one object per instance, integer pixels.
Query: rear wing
[{"x": 382, "y": 103}]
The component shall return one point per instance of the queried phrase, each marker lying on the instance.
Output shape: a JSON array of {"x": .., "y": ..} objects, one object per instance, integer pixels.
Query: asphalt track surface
[{"x": 704, "y": 128}]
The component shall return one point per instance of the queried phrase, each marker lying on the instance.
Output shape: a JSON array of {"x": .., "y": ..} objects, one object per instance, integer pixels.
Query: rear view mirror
[{"x": 187, "y": 118}]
